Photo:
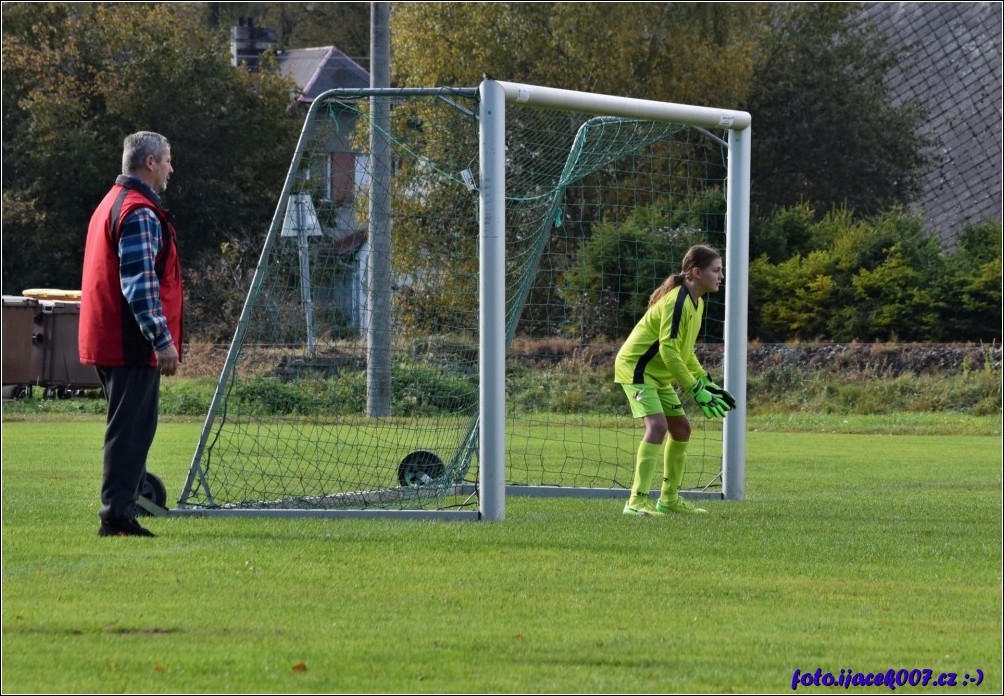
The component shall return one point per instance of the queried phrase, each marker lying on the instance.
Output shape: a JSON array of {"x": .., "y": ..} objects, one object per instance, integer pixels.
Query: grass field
[{"x": 862, "y": 552}]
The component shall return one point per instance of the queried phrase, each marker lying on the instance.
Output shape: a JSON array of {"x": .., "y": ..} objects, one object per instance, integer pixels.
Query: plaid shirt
[{"x": 140, "y": 240}]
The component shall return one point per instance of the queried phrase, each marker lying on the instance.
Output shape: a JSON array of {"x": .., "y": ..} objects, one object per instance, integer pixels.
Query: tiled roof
[
  {"x": 951, "y": 65},
  {"x": 316, "y": 70}
]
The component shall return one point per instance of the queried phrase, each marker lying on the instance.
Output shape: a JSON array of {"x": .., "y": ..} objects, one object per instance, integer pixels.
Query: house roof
[
  {"x": 316, "y": 70},
  {"x": 951, "y": 65}
]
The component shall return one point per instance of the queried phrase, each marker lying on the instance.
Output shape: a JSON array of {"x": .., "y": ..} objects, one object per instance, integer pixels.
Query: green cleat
[
  {"x": 642, "y": 508},
  {"x": 679, "y": 505}
]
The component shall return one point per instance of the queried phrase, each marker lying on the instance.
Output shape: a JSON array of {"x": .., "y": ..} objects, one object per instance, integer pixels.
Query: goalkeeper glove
[
  {"x": 713, "y": 406},
  {"x": 725, "y": 396}
]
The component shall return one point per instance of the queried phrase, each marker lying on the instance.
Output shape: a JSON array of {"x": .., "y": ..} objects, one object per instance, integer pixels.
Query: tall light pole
[{"x": 380, "y": 291}]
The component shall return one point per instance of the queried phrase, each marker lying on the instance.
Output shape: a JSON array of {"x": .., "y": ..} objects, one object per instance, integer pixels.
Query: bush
[
  {"x": 182, "y": 397},
  {"x": 876, "y": 279},
  {"x": 616, "y": 270}
]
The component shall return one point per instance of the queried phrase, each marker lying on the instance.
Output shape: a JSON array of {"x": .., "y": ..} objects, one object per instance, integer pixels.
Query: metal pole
[
  {"x": 379, "y": 294},
  {"x": 492, "y": 291},
  {"x": 305, "y": 285},
  {"x": 736, "y": 302}
]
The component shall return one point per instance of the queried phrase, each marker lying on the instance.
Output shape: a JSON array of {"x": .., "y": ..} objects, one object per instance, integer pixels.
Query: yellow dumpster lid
[{"x": 52, "y": 294}]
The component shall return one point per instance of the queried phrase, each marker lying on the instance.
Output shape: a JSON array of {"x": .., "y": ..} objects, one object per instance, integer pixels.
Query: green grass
[{"x": 859, "y": 551}]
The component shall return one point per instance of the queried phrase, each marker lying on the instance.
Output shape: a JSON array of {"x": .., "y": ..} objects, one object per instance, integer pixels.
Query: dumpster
[
  {"x": 55, "y": 356},
  {"x": 18, "y": 326}
]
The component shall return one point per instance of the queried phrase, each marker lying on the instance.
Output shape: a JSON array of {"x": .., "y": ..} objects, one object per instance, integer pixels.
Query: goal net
[{"x": 443, "y": 287}]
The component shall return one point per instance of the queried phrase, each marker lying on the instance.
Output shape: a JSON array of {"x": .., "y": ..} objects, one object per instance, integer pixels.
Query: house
[
  {"x": 339, "y": 172},
  {"x": 335, "y": 172}
]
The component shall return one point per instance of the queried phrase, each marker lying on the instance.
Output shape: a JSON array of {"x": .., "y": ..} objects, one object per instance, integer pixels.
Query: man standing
[{"x": 131, "y": 319}]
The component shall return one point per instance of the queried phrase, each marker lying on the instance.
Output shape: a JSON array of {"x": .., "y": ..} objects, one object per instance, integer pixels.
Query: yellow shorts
[{"x": 647, "y": 400}]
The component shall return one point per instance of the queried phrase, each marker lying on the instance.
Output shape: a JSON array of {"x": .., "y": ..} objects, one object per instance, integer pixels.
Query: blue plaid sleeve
[{"x": 139, "y": 244}]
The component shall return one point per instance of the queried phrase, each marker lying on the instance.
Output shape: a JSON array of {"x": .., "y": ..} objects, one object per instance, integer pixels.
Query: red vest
[{"x": 109, "y": 335}]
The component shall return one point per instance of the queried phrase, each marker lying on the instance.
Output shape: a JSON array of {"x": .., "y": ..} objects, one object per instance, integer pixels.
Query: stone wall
[{"x": 875, "y": 359}]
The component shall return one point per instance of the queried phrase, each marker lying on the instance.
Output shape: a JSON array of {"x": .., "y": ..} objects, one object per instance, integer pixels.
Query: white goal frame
[
  {"x": 491, "y": 487},
  {"x": 495, "y": 96}
]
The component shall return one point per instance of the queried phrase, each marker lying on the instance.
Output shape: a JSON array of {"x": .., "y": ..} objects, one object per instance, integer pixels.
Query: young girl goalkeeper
[{"x": 659, "y": 352}]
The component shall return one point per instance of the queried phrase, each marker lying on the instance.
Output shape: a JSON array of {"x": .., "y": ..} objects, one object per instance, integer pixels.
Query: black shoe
[{"x": 123, "y": 528}]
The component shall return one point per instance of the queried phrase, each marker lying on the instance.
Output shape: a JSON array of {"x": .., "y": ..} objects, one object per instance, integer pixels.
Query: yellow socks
[
  {"x": 674, "y": 462},
  {"x": 647, "y": 458}
]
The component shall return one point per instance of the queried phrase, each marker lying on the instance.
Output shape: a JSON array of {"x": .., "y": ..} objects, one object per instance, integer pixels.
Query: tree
[
  {"x": 784, "y": 234},
  {"x": 345, "y": 25},
  {"x": 77, "y": 78},
  {"x": 826, "y": 131},
  {"x": 974, "y": 277},
  {"x": 682, "y": 52}
]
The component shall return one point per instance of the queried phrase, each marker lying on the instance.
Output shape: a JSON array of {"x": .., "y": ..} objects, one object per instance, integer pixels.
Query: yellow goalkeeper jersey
[{"x": 660, "y": 349}]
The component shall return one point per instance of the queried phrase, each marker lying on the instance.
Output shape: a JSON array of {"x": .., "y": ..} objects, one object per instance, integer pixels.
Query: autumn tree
[
  {"x": 681, "y": 52},
  {"x": 77, "y": 78}
]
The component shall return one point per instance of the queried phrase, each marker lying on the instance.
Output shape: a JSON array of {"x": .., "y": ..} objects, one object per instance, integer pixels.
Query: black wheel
[
  {"x": 420, "y": 468},
  {"x": 21, "y": 391},
  {"x": 152, "y": 488}
]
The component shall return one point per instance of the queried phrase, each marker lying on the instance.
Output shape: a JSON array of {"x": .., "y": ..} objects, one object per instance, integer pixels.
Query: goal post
[
  {"x": 736, "y": 304},
  {"x": 492, "y": 324},
  {"x": 527, "y": 223}
]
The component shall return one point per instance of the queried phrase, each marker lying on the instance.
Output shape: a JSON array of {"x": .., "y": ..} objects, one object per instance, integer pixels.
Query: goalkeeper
[{"x": 659, "y": 352}]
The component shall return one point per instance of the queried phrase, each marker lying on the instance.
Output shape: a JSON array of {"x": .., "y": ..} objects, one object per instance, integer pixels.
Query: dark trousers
[{"x": 133, "y": 400}]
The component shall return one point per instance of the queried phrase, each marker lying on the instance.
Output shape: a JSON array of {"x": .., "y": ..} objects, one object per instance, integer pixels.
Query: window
[{"x": 342, "y": 177}]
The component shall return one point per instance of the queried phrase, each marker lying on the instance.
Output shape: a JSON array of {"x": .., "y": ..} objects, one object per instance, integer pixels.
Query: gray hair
[{"x": 138, "y": 146}]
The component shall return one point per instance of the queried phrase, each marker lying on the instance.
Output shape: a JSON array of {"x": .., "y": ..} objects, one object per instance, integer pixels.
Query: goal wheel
[
  {"x": 152, "y": 488},
  {"x": 420, "y": 468}
]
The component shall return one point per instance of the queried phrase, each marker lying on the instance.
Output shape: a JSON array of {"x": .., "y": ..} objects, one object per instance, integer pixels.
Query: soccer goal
[{"x": 447, "y": 277}]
